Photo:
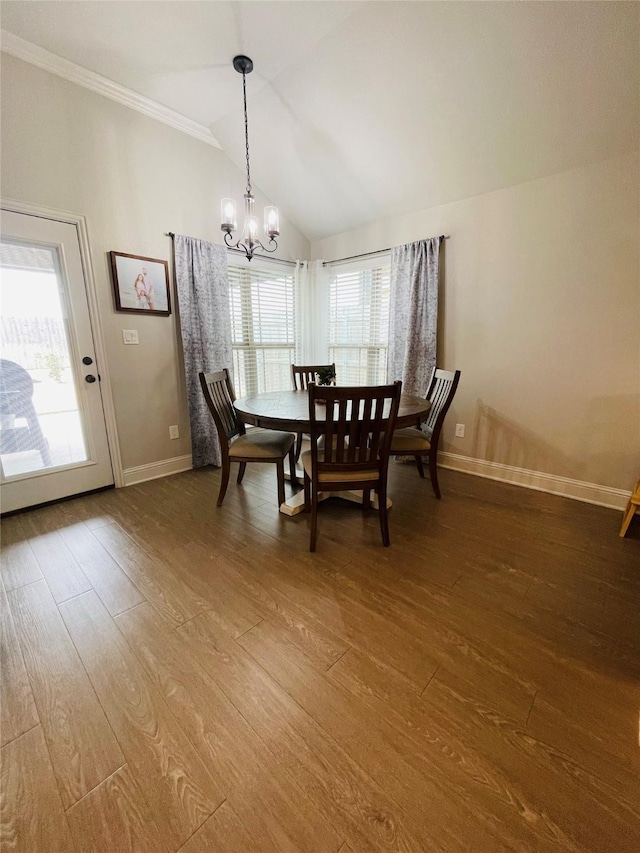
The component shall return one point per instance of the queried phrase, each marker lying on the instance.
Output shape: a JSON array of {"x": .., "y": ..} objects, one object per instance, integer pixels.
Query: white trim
[
  {"x": 38, "y": 56},
  {"x": 154, "y": 470},
  {"x": 590, "y": 493},
  {"x": 94, "y": 317}
]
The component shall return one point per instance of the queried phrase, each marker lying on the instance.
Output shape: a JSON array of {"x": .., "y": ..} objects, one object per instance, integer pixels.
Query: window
[
  {"x": 263, "y": 327},
  {"x": 359, "y": 322}
]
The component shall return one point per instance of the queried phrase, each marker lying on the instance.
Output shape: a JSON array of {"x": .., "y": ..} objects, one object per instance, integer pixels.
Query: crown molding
[{"x": 31, "y": 53}]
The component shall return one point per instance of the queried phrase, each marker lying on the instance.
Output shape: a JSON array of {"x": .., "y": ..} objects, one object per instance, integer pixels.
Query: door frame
[{"x": 80, "y": 224}]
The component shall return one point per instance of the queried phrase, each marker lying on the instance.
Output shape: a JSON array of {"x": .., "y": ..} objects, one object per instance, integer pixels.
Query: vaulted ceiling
[{"x": 363, "y": 110}]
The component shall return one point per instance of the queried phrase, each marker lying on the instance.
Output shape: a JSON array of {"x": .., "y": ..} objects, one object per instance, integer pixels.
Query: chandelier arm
[
  {"x": 265, "y": 249},
  {"x": 253, "y": 248}
]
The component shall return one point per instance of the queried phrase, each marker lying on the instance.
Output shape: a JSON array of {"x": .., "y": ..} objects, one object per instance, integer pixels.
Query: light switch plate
[
  {"x": 130, "y": 336},
  {"x": 459, "y": 430}
]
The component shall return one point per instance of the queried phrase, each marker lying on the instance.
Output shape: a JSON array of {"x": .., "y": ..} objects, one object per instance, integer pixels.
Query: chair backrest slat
[
  {"x": 219, "y": 395},
  {"x": 442, "y": 388},
  {"x": 357, "y": 428},
  {"x": 303, "y": 374}
]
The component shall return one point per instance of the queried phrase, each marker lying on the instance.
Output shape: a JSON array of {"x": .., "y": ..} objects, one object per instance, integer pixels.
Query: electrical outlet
[
  {"x": 130, "y": 336},
  {"x": 459, "y": 430},
  {"x": 174, "y": 432}
]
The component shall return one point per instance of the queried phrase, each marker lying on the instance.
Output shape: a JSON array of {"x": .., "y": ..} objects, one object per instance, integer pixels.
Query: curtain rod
[
  {"x": 324, "y": 263},
  {"x": 241, "y": 252},
  {"x": 370, "y": 254}
]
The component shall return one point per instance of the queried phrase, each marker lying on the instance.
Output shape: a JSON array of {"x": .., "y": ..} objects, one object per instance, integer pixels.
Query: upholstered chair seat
[
  {"x": 408, "y": 440},
  {"x": 262, "y": 443}
]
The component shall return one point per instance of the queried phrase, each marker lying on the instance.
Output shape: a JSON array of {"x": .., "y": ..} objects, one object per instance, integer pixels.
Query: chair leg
[
  {"x": 292, "y": 466},
  {"x": 629, "y": 512},
  {"x": 366, "y": 498},
  {"x": 280, "y": 469},
  {"x": 224, "y": 481},
  {"x": 314, "y": 520},
  {"x": 298, "y": 445},
  {"x": 241, "y": 470},
  {"x": 307, "y": 493},
  {"x": 384, "y": 518},
  {"x": 433, "y": 471},
  {"x": 419, "y": 464}
]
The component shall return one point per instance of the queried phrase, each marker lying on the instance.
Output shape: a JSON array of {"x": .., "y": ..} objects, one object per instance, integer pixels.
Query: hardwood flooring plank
[
  {"x": 404, "y": 764},
  {"x": 179, "y": 790},
  {"x": 32, "y": 817},
  {"x": 64, "y": 576},
  {"x": 89, "y": 509},
  {"x": 17, "y": 707},
  {"x": 18, "y": 566},
  {"x": 275, "y": 598},
  {"x": 589, "y": 746},
  {"x": 274, "y": 810},
  {"x": 223, "y": 832},
  {"x": 351, "y": 802},
  {"x": 473, "y": 687},
  {"x": 116, "y": 591},
  {"x": 345, "y": 617},
  {"x": 169, "y": 594},
  {"x": 582, "y": 811},
  {"x": 81, "y": 744},
  {"x": 115, "y": 818},
  {"x": 200, "y": 568}
]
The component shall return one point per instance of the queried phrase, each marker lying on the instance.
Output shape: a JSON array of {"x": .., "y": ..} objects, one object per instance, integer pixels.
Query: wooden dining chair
[
  {"x": 420, "y": 442},
  {"x": 301, "y": 376},
  {"x": 238, "y": 445},
  {"x": 350, "y": 446}
]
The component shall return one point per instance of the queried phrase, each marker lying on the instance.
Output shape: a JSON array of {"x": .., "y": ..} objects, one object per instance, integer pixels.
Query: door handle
[{"x": 90, "y": 378}]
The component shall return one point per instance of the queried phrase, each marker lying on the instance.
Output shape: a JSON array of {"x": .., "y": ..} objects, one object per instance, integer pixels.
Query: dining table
[{"x": 289, "y": 411}]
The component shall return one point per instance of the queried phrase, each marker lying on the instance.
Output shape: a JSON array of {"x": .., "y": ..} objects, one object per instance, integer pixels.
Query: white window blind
[
  {"x": 263, "y": 327},
  {"x": 359, "y": 322}
]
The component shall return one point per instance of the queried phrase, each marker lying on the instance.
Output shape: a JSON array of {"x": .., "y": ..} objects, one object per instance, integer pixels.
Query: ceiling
[{"x": 360, "y": 111}]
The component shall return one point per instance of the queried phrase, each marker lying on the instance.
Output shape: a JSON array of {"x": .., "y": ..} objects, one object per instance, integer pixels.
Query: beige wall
[
  {"x": 541, "y": 309},
  {"x": 541, "y": 312},
  {"x": 134, "y": 179}
]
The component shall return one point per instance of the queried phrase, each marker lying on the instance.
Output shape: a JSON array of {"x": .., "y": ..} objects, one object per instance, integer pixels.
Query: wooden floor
[{"x": 181, "y": 677}]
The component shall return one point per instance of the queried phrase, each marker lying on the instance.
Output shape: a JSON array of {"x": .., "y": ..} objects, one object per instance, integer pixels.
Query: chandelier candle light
[{"x": 249, "y": 243}]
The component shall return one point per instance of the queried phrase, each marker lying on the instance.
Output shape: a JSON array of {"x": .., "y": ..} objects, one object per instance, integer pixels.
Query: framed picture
[{"x": 140, "y": 284}]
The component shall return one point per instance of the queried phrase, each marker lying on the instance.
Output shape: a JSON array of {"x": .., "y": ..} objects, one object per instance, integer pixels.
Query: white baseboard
[
  {"x": 576, "y": 489},
  {"x": 590, "y": 493},
  {"x": 142, "y": 473}
]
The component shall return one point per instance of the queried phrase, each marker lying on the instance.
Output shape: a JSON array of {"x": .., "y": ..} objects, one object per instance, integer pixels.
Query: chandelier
[{"x": 249, "y": 242}]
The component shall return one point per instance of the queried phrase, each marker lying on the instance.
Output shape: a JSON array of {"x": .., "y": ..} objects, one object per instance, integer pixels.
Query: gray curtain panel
[
  {"x": 413, "y": 318},
  {"x": 202, "y": 285}
]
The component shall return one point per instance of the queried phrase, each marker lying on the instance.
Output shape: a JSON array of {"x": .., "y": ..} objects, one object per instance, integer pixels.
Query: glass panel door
[
  {"x": 41, "y": 425},
  {"x": 53, "y": 438}
]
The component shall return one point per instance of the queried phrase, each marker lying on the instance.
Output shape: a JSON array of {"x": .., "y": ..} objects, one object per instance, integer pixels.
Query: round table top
[{"x": 289, "y": 410}]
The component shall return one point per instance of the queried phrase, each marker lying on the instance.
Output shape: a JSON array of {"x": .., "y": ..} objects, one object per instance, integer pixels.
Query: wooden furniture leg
[{"x": 632, "y": 508}]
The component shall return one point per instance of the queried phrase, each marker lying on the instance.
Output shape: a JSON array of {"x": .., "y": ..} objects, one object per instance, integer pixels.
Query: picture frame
[{"x": 140, "y": 284}]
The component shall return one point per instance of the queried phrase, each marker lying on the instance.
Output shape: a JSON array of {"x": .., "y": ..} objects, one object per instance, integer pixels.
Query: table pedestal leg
[{"x": 295, "y": 504}]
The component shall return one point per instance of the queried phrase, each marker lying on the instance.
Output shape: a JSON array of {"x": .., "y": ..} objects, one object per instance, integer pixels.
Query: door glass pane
[{"x": 40, "y": 420}]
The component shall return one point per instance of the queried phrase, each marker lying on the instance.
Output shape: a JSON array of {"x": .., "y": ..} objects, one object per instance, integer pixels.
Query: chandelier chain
[{"x": 246, "y": 130}]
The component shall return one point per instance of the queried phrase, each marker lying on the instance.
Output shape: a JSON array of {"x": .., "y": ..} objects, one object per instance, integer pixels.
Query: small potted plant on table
[{"x": 326, "y": 376}]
